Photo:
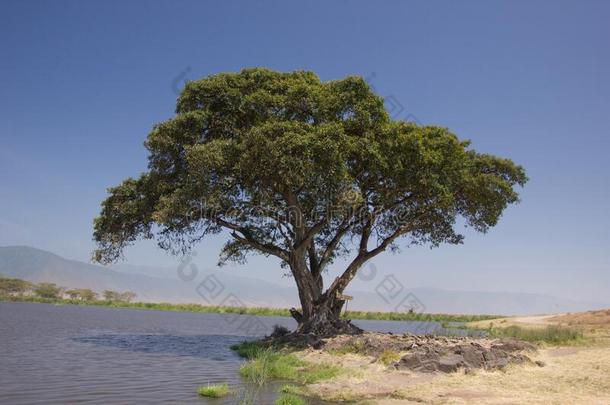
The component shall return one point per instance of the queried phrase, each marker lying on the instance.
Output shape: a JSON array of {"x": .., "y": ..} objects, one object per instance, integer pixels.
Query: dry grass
[
  {"x": 572, "y": 376},
  {"x": 388, "y": 357}
]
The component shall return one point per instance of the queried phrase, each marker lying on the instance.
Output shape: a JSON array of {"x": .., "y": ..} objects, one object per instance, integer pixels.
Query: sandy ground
[
  {"x": 578, "y": 374},
  {"x": 530, "y": 321},
  {"x": 588, "y": 320}
]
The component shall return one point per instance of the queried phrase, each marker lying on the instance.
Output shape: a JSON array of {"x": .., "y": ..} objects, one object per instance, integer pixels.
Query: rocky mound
[
  {"x": 434, "y": 353},
  {"x": 468, "y": 356}
]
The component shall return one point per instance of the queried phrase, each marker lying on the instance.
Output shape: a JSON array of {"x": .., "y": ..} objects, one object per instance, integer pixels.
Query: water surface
[{"x": 79, "y": 354}]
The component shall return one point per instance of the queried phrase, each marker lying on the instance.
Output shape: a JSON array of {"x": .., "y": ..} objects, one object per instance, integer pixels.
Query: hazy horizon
[{"x": 384, "y": 292}]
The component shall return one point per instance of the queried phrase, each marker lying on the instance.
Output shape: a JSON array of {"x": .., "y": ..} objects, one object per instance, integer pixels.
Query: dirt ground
[{"x": 576, "y": 374}]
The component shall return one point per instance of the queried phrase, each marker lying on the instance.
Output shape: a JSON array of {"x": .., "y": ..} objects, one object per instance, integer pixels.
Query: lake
[{"x": 79, "y": 354}]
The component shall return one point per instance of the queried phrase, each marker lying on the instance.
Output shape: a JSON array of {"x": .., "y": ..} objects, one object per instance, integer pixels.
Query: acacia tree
[
  {"x": 48, "y": 290},
  {"x": 306, "y": 171}
]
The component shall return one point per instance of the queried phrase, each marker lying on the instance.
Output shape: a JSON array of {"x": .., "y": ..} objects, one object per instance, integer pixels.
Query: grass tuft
[
  {"x": 248, "y": 350},
  {"x": 389, "y": 357},
  {"x": 267, "y": 363},
  {"x": 214, "y": 391},
  {"x": 290, "y": 399}
]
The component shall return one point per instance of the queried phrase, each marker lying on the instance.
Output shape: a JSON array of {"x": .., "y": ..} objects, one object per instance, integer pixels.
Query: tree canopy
[{"x": 304, "y": 170}]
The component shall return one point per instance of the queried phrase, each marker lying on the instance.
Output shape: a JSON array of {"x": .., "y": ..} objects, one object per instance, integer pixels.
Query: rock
[
  {"x": 540, "y": 363},
  {"x": 450, "y": 363},
  {"x": 499, "y": 363},
  {"x": 423, "y": 362},
  {"x": 437, "y": 356},
  {"x": 472, "y": 355},
  {"x": 435, "y": 353},
  {"x": 513, "y": 345}
]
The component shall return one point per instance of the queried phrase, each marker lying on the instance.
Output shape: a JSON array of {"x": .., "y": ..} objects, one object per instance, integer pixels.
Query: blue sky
[{"x": 82, "y": 83}]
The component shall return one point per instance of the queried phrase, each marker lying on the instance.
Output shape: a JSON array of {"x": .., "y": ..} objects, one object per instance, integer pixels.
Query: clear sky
[{"x": 82, "y": 83}]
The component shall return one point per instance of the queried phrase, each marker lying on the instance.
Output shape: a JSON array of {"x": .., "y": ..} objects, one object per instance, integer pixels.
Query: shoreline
[{"x": 258, "y": 311}]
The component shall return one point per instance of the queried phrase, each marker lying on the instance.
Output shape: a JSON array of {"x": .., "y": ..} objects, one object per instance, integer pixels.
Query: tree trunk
[
  {"x": 320, "y": 313},
  {"x": 325, "y": 319}
]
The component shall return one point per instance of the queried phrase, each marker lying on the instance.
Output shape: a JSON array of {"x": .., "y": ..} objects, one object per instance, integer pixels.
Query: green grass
[
  {"x": 248, "y": 350},
  {"x": 269, "y": 363},
  {"x": 549, "y": 334},
  {"x": 214, "y": 391},
  {"x": 290, "y": 399},
  {"x": 260, "y": 311}
]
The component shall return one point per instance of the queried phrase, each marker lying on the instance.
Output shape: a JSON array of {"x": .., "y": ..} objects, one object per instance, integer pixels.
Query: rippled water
[{"x": 75, "y": 354}]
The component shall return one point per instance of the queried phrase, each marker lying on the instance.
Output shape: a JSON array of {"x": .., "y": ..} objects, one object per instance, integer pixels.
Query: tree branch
[
  {"x": 364, "y": 255},
  {"x": 247, "y": 238},
  {"x": 332, "y": 245},
  {"x": 309, "y": 234}
]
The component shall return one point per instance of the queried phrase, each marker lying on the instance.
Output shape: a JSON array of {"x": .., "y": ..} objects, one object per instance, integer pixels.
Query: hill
[{"x": 161, "y": 284}]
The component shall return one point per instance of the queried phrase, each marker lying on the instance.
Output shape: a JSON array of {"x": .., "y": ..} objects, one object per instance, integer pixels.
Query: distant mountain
[
  {"x": 156, "y": 284},
  {"x": 207, "y": 288}
]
